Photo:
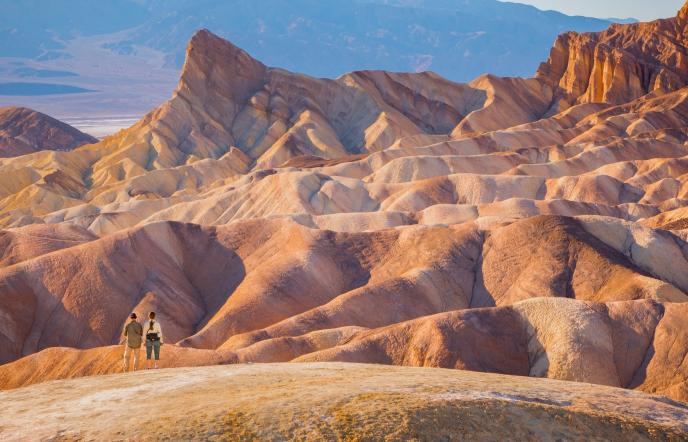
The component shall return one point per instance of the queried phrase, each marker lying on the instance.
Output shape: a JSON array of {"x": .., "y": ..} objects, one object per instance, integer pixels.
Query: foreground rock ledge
[{"x": 330, "y": 401}]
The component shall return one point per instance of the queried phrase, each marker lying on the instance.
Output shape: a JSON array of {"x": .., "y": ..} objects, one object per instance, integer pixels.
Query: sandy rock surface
[{"x": 333, "y": 402}]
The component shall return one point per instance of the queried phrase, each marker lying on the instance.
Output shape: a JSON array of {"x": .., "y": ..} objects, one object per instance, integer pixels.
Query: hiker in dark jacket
[
  {"x": 133, "y": 333},
  {"x": 153, "y": 340}
]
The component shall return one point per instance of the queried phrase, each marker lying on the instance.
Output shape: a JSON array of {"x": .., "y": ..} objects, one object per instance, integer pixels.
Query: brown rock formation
[
  {"x": 620, "y": 64},
  {"x": 23, "y": 131}
]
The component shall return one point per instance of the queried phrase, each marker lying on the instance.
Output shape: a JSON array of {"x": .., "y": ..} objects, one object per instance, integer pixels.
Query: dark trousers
[{"x": 153, "y": 347}]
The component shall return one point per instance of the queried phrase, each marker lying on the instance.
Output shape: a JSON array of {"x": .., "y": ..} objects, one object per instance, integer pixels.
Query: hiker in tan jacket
[{"x": 133, "y": 334}]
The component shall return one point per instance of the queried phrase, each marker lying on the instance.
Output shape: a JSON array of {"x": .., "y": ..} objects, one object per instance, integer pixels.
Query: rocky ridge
[
  {"x": 24, "y": 131},
  {"x": 620, "y": 64}
]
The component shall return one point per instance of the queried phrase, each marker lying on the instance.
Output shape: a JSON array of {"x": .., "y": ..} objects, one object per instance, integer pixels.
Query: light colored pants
[{"x": 128, "y": 352}]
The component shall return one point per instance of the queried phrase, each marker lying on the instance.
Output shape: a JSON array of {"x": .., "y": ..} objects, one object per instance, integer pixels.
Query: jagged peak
[
  {"x": 683, "y": 12},
  {"x": 203, "y": 39},
  {"x": 213, "y": 63}
]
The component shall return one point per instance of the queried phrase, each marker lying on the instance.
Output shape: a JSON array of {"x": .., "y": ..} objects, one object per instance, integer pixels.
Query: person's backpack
[{"x": 152, "y": 336}]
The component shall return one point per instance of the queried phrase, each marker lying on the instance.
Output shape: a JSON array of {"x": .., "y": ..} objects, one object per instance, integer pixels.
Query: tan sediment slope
[
  {"x": 333, "y": 402},
  {"x": 518, "y": 226}
]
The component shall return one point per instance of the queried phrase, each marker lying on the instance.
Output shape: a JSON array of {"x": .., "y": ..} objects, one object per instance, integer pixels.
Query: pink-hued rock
[{"x": 24, "y": 131}]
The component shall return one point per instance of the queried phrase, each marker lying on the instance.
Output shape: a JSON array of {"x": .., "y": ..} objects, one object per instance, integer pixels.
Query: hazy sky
[{"x": 643, "y": 10}]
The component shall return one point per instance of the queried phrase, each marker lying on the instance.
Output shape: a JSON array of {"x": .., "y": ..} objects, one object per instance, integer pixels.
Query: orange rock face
[
  {"x": 532, "y": 227},
  {"x": 620, "y": 64}
]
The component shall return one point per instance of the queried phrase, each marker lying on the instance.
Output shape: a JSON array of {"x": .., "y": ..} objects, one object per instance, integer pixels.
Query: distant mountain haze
[
  {"x": 35, "y": 28},
  {"x": 642, "y": 10},
  {"x": 127, "y": 54},
  {"x": 459, "y": 40}
]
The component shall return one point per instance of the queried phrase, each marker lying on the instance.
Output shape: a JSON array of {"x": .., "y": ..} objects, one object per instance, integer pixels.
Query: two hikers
[{"x": 133, "y": 333}]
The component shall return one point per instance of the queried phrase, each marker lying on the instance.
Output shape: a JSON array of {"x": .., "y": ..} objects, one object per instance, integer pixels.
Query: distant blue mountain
[
  {"x": 459, "y": 39},
  {"x": 29, "y": 28},
  {"x": 623, "y": 21}
]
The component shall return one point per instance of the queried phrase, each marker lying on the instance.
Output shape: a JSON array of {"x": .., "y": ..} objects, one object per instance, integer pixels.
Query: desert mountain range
[
  {"x": 459, "y": 40},
  {"x": 121, "y": 58},
  {"x": 531, "y": 227}
]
